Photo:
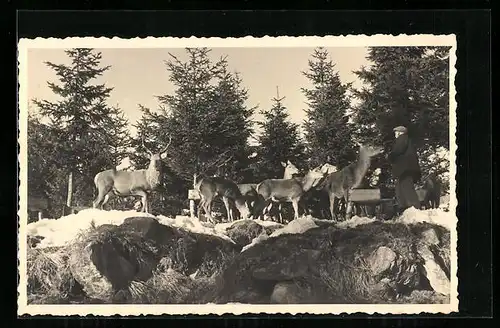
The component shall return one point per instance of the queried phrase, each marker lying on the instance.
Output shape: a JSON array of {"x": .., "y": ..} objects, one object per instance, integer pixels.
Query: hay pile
[{"x": 370, "y": 263}]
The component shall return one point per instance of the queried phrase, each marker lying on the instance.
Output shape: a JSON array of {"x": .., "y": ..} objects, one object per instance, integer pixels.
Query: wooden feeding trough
[{"x": 371, "y": 198}]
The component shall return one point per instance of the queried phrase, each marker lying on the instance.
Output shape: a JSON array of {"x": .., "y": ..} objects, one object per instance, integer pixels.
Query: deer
[
  {"x": 430, "y": 194},
  {"x": 249, "y": 189},
  {"x": 287, "y": 190},
  {"x": 318, "y": 192},
  {"x": 212, "y": 187},
  {"x": 339, "y": 184},
  {"x": 39, "y": 204},
  {"x": 110, "y": 183}
]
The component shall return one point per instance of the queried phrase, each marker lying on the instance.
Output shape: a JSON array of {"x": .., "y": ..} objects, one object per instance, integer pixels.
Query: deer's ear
[{"x": 283, "y": 164}]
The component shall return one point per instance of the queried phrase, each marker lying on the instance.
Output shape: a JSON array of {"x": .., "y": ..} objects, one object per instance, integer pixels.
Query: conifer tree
[
  {"x": 327, "y": 129},
  {"x": 406, "y": 86},
  {"x": 206, "y": 116},
  {"x": 88, "y": 134},
  {"x": 279, "y": 142}
]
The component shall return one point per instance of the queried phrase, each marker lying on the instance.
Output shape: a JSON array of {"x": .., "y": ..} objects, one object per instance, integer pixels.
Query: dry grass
[
  {"x": 49, "y": 278},
  {"x": 423, "y": 297}
]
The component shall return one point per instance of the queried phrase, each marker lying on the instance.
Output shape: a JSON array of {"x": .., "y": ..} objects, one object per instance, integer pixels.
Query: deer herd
[{"x": 250, "y": 200}]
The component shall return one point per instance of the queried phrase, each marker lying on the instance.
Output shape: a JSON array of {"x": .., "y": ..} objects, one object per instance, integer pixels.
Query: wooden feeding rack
[{"x": 365, "y": 195}]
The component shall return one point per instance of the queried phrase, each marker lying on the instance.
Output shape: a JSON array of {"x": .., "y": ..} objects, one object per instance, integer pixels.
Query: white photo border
[{"x": 215, "y": 42}]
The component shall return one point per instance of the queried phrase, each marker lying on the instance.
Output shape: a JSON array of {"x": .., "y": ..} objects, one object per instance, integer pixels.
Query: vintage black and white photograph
[{"x": 244, "y": 175}]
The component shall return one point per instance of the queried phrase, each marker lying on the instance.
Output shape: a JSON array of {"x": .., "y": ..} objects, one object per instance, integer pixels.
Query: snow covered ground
[{"x": 64, "y": 230}]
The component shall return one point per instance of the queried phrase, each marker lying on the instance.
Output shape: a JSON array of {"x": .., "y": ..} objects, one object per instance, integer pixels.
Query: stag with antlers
[{"x": 140, "y": 183}]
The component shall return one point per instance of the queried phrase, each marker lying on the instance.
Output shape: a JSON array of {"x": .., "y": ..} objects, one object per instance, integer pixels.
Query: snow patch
[
  {"x": 434, "y": 216},
  {"x": 299, "y": 225},
  {"x": 65, "y": 229},
  {"x": 355, "y": 221},
  {"x": 193, "y": 225}
]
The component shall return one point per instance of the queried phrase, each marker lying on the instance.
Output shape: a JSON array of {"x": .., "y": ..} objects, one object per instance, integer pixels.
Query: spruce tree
[
  {"x": 327, "y": 129},
  {"x": 207, "y": 118},
  {"x": 279, "y": 142},
  {"x": 406, "y": 86},
  {"x": 88, "y": 133}
]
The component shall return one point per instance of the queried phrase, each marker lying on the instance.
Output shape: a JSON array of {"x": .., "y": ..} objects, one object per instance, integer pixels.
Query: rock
[
  {"x": 430, "y": 237},
  {"x": 294, "y": 267},
  {"x": 109, "y": 258},
  {"x": 94, "y": 284},
  {"x": 424, "y": 297},
  {"x": 292, "y": 292},
  {"x": 333, "y": 263},
  {"x": 381, "y": 260},
  {"x": 243, "y": 232},
  {"x": 433, "y": 271},
  {"x": 272, "y": 228},
  {"x": 385, "y": 289},
  {"x": 34, "y": 240}
]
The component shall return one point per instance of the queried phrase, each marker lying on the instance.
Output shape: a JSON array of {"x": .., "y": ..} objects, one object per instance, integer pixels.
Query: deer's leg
[
  {"x": 268, "y": 203},
  {"x": 332, "y": 199},
  {"x": 208, "y": 209},
  {"x": 40, "y": 215},
  {"x": 268, "y": 207},
  {"x": 200, "y": 206},
  {"x": 101, "y": 199},
  {"x": 228, "y": 209},
  {"x": 144, "y": 199},
  {"x": 295, "y": 204},
  {"x": 280, "y": 213},
  {"x": 259, "y": 208},
  {"x": 348, "y": 210}
]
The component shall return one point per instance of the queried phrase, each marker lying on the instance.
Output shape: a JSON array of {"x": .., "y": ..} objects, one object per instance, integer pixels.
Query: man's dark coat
[{"x": 403, "y": 158}]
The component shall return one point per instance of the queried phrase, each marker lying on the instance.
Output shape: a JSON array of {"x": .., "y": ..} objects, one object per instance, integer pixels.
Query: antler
[
  {"x": 144, "y": 146},
  {"x": 166, "y": 147}
]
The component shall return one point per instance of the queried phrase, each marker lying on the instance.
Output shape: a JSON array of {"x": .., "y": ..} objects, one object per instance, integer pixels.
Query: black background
[{"x": 473, "y": 85}]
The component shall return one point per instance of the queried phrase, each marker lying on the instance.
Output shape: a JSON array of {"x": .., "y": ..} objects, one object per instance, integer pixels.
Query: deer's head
[
  {"x": 314, "y": 177},
  {"x": 370, "y": 150},
  {"x": 290, "y": 168},
  {"x": 156, "y": 157},
  {"x": 328, "y": 168}
]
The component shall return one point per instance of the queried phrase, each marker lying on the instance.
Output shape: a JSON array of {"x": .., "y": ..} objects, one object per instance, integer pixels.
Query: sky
[{"x": 138, "y": 75}]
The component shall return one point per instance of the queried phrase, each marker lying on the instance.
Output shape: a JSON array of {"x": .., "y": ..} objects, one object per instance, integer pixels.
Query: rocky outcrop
[
  {"x": 370, "y": 263},
  {"x": 109, "y": 259},
  {"x": 143, "y": 261}
]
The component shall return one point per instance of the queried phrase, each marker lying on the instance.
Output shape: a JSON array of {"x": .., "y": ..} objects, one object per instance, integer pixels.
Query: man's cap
[{"x": 400, "y": 129}]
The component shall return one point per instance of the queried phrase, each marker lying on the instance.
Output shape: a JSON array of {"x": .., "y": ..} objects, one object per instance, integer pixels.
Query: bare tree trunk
[
  {"x": 70, "y": 190},
  {"x": 192, "y": 203}
]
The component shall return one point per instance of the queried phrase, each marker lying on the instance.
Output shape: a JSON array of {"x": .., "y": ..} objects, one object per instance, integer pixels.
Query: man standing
[{"x": 405, "y": 169}]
